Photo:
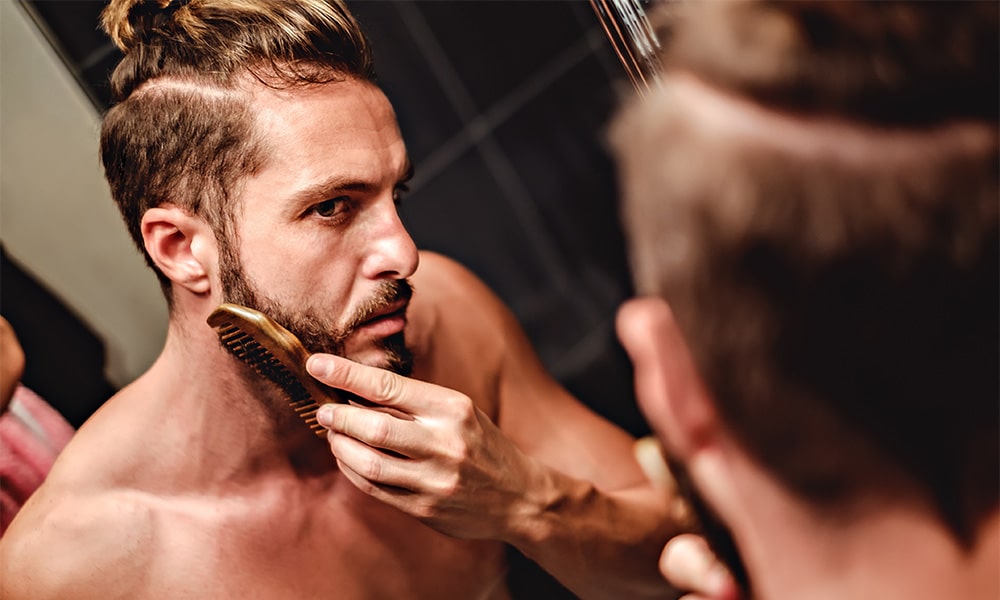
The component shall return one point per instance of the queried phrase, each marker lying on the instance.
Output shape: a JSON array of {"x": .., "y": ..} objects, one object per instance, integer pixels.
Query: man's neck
[
  {"x": 225, "y": 420},
  {"x": 893, "y": 551}
]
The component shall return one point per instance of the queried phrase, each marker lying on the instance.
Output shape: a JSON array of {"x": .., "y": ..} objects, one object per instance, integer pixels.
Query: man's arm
[
  {"x": 548, "y": 476},
  {"x": 453, "y": 469}
]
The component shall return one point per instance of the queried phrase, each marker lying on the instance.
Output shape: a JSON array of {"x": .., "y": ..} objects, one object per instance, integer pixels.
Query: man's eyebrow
[
  {"x": 338, "y": 184},
  {"x": 329, "y": 188}
]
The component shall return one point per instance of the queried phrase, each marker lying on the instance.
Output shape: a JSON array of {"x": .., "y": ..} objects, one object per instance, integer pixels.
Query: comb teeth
[
  {"x": 245, "y": 348},
  {"x": 243, "y": 338}
]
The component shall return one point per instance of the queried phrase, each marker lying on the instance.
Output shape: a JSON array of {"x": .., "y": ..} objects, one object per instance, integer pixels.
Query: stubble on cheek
[{"x": 317, "y": 331}]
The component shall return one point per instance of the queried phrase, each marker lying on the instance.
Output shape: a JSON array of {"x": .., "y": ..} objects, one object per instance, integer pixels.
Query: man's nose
[{"x": 392, "y": 253}]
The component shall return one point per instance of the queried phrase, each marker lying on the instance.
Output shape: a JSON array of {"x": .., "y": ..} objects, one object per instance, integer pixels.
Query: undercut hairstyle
[
  {"x": 181, "y": 130},
  {"x": 830, "y": 247}
]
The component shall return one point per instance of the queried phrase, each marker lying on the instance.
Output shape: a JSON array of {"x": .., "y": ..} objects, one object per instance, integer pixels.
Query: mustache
[{"x": 388, "y": 293}]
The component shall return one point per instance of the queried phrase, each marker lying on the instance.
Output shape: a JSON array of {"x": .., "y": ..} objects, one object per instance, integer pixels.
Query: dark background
[{"x": 503, "y": 106}]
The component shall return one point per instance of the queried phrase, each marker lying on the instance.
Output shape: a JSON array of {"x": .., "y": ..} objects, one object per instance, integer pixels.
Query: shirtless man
[{"x": 255, "y": 161}]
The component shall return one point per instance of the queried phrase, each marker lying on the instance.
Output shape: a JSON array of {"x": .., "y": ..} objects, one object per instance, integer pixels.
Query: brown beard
[{"x": 315, "y": 332}]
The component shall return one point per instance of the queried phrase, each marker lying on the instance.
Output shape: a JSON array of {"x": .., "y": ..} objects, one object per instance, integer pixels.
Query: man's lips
[
  {"x": 397, "y": 308},
  {"x": 388, "y": 321}
]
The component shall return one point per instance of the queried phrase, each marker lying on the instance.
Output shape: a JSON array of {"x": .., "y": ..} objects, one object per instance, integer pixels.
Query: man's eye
[{"x": 330, "y": 208}]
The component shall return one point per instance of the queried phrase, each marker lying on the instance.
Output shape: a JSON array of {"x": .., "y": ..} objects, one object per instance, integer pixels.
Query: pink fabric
[{"x": 32, "y": 434}]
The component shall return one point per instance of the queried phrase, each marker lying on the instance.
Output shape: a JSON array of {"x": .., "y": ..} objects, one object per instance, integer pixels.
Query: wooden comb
[{"x": 274, "y": 353}]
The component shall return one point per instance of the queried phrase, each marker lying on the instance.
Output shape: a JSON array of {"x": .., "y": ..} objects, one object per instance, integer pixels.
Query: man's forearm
[{"x": 597, "y": 544}]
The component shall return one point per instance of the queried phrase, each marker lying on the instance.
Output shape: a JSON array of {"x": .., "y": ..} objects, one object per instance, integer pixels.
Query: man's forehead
[
  {"x": 324, "y": 116},
  {"x": 324, "y": 140}
]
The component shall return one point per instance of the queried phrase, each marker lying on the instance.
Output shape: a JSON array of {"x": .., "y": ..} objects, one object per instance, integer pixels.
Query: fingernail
[
  {"x": 325, "y": 415},
  {"x": 319, "y": 365}
]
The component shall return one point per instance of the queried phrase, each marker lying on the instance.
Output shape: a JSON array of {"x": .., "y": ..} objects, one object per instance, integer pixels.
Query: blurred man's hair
[{"x": 814, "y": 191}]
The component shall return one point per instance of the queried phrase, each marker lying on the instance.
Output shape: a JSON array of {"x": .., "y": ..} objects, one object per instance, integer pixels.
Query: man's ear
[
  {"x": 181, "y": 245},
  {"x": 669, "y": 389}
]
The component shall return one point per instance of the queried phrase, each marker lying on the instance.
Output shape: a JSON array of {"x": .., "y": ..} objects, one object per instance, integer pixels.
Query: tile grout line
[{"x": 497, "y": 114}]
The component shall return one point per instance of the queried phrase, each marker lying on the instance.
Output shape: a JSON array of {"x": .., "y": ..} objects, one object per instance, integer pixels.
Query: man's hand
[
  {"x": 433, "y": 454},
  {"x": 688, "y": 564},
  {"x": 11, "y": 363}
]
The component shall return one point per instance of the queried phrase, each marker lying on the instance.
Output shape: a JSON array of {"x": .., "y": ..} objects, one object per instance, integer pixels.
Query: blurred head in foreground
[{"x": 811, "y": 203}]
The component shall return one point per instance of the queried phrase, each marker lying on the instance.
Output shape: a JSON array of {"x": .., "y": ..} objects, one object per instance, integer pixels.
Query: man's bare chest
[{"x": 345, "y": 545}]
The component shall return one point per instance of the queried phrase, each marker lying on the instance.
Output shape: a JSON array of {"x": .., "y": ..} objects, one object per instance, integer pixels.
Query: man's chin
[{"x": 392, "y": 355}]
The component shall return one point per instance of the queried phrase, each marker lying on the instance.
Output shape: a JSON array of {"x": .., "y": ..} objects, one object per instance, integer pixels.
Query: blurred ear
[
  {"x": 181, "y": 245},
  {"x": 667, "y": 383}
]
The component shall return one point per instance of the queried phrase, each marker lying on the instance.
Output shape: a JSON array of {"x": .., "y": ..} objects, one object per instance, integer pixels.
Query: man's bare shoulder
[
  {"x": 459, "y": 330},
  {"x": 444, "y": 276},
  {"x": 490, "y": 358},
  {"x": 71, "y": 546},
  {"x": 453, "y": 294}
]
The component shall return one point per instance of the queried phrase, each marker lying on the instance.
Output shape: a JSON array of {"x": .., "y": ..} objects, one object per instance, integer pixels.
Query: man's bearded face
[{"x": 317, "y": 332}]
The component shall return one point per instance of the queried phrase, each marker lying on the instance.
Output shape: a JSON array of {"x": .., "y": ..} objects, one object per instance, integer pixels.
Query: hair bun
[{"x": 132, "y": 22}]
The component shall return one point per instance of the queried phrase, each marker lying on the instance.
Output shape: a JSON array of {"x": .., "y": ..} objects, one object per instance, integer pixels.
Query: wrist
[{"x": 544, "y": 506}]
